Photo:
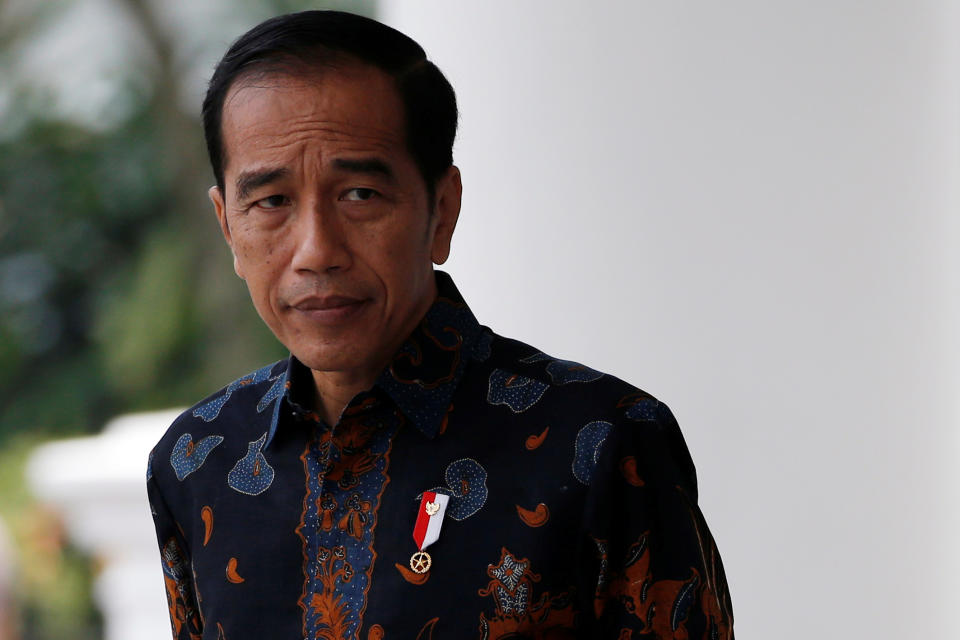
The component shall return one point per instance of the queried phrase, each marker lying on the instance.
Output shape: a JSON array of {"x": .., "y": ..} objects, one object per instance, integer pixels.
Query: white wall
[{"x": 748, "y": 210}]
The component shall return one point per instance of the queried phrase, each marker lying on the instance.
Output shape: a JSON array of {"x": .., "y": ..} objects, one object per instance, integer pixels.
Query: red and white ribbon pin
[{"x": 426, "y": 531}]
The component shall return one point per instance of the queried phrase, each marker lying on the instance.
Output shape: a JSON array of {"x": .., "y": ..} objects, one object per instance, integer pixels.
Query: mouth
[{"x": 329, "y": 310}]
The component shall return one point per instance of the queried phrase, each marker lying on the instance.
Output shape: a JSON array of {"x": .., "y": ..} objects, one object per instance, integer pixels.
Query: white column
[
  {"x": 749, "y": 209},
  {"x": 7, "y": 571},
  {"x": 98, "y": 486}
]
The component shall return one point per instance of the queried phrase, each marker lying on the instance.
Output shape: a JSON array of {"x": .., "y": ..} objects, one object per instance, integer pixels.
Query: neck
[{"x": 335, "y": 390}]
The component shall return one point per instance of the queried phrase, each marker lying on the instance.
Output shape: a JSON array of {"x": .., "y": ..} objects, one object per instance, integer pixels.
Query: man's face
[{"x": 328, "y": 216}]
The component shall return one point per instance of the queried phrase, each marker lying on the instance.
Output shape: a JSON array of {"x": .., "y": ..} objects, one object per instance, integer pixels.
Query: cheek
[
  {"x": 257, "y": 249},
  {"x": 407, "y": 243},
  {"x": 397, "y": 261},
  {"x": 406, "y": 266},
  {"x": 258, "y": 261}
]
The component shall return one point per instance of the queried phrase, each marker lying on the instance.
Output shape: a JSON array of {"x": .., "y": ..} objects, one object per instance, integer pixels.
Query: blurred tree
[{"x": 116, "y": 290}]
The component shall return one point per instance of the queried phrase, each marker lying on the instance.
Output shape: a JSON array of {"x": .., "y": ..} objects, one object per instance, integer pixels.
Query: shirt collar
[{"x": 422, "y": 376}]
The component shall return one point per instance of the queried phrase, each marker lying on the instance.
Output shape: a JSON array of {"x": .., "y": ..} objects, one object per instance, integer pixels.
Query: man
[{"x": 406, "y": 473}]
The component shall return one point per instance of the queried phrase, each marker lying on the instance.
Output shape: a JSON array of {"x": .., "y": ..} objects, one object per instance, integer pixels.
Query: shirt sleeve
[
  {"x": 185, "y": 617},
  {"x": 647, "y": 557}
]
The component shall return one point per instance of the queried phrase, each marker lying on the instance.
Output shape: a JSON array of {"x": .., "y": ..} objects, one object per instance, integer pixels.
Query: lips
[
  {"x": 329, "y": 309},
  {"x": 326, "y": 303}
]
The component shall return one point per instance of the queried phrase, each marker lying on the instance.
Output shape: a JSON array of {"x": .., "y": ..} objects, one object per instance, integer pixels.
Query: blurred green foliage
[{"x": 116, "y": 291}]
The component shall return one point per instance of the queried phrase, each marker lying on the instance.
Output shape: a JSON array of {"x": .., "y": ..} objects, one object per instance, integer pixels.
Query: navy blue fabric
[{"x": 572, "y": 511}]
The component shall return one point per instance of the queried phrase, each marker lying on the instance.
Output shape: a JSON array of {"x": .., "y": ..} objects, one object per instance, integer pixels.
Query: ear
[
  {"x": 216, "y": 197},
  {"x": 446, "y": 211}
]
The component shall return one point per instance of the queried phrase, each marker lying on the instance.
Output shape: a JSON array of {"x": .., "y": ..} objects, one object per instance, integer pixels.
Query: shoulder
[
  {"x": 239, "y": 406},
  {"x": 598, "y": 412},
  {"x": 514, "y": 365}
]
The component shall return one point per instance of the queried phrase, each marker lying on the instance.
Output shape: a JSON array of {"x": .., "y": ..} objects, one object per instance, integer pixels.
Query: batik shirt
[{"x": 571, "y": 507}]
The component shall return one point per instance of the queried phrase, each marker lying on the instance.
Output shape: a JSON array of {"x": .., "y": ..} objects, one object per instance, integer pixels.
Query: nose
[{"x": 321, "y": 241}]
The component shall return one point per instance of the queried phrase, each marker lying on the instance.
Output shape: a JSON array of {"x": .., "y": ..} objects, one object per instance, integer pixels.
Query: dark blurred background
[{"x": 116, "y": 289}]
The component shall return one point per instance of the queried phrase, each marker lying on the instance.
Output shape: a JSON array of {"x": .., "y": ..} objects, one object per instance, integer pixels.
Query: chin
[{"x": 331, "y": 359}]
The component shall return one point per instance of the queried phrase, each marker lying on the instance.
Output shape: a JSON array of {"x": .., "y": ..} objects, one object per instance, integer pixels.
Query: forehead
[{"x": 351, "y": 107}]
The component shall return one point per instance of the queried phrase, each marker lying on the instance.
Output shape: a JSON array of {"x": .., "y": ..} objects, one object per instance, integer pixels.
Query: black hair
[{"x": 295, "y": 42}]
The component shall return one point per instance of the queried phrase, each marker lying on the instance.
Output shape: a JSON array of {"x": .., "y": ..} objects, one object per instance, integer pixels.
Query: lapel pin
[{"x": 426, "y": 531}]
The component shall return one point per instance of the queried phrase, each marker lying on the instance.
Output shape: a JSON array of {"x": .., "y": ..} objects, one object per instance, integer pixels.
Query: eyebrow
[
  {"x": 373, "y": 166},
  {"x": 247, "y": 181}
]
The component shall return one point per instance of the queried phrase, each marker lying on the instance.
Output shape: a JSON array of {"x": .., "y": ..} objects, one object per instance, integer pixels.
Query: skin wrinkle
[
  {"x": 251, "y": 179},
  {"x": 290, "y": 79},
  {"x": 302, "y": 129}
]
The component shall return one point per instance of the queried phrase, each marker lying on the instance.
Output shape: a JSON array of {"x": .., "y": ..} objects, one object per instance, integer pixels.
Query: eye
[
  {"x": 359, "y": 194},
  {"x": 272, "y": 202}
]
